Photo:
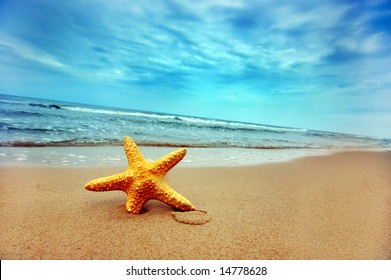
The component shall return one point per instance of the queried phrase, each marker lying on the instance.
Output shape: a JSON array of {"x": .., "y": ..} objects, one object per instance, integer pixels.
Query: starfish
[{"x": 143, "y": 180}]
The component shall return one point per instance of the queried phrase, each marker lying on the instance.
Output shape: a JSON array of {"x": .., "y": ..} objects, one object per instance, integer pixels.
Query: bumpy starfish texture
[{"x": 143, "y": 180}]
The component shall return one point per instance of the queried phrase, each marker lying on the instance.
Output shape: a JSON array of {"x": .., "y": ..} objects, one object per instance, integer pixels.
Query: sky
[{"x": 323, "y": 65}]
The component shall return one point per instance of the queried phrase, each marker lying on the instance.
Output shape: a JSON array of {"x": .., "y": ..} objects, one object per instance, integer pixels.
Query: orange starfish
[{"x": 143, "y": 180}]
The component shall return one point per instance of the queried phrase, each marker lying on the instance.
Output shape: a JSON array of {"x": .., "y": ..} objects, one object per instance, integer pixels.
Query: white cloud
[
  {"x": 28, "y": 52},
  {"x": 363, "y": 44},
  {"x": 372, "y": 43}
]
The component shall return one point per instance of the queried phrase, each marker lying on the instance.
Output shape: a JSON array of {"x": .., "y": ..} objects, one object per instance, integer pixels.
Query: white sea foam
[
  {"x": 114, "y": 156},
  {"x": 193, "y": 120},
  {"x": 117, "y": 112}
]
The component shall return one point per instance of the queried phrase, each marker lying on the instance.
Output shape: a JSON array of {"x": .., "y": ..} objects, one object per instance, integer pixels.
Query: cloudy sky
[{"x": 322, "y": 65}]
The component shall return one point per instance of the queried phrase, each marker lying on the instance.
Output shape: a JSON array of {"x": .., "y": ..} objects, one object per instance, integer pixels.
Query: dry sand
[{"x": 327, "y": 207}]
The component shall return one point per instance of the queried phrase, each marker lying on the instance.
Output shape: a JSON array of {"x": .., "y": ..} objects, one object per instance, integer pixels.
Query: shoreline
[
  {"x": 318, "y": 207},
  {"x": 90, "y": 156}
]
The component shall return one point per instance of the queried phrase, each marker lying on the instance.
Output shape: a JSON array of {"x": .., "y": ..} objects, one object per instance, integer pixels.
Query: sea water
[{"x": 29, "y": 122}]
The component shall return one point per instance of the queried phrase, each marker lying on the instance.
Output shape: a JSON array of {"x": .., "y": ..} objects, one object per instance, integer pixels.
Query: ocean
[{"x": 29, "y": 122}]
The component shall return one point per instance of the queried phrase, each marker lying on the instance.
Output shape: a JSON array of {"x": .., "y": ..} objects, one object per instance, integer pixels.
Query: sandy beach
[{"x": 320, "y": 207}]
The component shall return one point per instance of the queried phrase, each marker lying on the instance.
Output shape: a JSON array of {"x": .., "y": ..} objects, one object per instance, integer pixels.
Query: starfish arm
[
  {"x": 132, "y": 153},
  {"x": 167, "y": 195},
  {"x": 163, "y": 165},
  {"x": 117, "y": 182},
  {"x": 135, "y": 202}
]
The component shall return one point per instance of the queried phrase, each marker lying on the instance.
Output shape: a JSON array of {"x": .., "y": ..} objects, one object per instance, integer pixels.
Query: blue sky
[{"x": 322, "y": 65}]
